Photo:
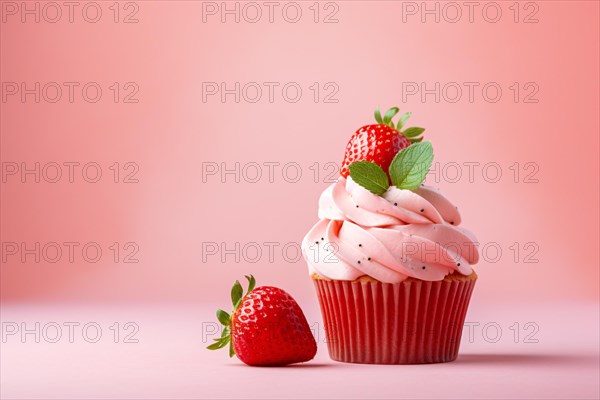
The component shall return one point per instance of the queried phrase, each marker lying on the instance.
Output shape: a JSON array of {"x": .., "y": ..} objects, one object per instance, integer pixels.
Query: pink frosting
[{"x": 390, "y": 237}]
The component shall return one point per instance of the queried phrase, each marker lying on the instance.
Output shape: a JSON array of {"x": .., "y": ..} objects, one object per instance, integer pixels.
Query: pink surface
[
  {"x": 174, "y": 232},
  {"x": 556, "y": 358}
]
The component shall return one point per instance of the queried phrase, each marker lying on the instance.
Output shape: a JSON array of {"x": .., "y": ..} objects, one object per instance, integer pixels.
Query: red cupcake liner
[{"x": 411, "y": 322}]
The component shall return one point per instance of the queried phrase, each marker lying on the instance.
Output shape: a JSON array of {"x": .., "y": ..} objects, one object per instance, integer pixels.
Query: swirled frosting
[{"x": 390, "y": 238}]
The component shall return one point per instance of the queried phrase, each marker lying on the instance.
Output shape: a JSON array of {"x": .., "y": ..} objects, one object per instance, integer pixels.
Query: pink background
[{"x": 170, "y": 132}]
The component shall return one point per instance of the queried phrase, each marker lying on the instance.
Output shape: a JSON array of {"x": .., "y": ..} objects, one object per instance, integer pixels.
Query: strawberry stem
[
  {"x": 412, "y": 134},
  {"x": 237, "y": 293}
]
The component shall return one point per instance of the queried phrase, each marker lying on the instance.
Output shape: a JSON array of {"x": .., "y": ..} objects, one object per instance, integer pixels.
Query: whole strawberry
[
  {"x": 266, "y": 327},
  {"x": 380, "y": 142}
]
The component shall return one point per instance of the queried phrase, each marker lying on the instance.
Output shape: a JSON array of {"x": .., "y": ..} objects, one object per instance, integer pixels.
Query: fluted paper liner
[{"x": 411, "y": 322}]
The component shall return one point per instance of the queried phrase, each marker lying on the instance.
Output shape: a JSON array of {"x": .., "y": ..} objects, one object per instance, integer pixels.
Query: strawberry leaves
[
  {"x": 411, "y": 133},
  {"x": 223, "y": 317},
  {"x": 231, "y": 350},
  {"x": 251, "y": 283},
  {"x": 237, "y": 293},
  {"x": 402, "y": 121},
  {"x": 221, "y": 342},
  {"x": 378, "y": 116},
  {"x": 389, "y": 114}
]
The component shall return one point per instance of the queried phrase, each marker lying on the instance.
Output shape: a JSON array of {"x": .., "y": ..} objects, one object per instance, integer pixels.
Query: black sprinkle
[
  {"x": 360, "y": 245},
  {"x": 458, "y": 265},
  {"x": 369, "y": 258},
  {"x": 357, "y": 206},
  {"x": 359, "y": 261},
  {"x": 322, "y": 239},
  {"x": 395, "y": 204},
  {"x": 422, "y": 209},
  {"x": 452, "y": 223},
  {"x": 423, "y": 267}
]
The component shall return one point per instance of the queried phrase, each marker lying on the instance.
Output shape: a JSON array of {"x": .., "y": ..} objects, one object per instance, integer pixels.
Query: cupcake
[{"x": 390, "y": 262}]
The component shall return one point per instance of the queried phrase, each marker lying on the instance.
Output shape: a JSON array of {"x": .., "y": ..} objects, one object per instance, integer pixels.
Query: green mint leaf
[
  {"x": 413, "y": 132},
  {"x": 410, "y": 166},
  {"x": 236, "y": 294},
  {"x": 223, "y": 317},
  {"x": 403, "y": 120},
  {"x": 370, "y": 176},
  {"x": 251, "y": 283},
  {"x": 389, "y": 114},
  {"x": 378, "y": 116}
]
